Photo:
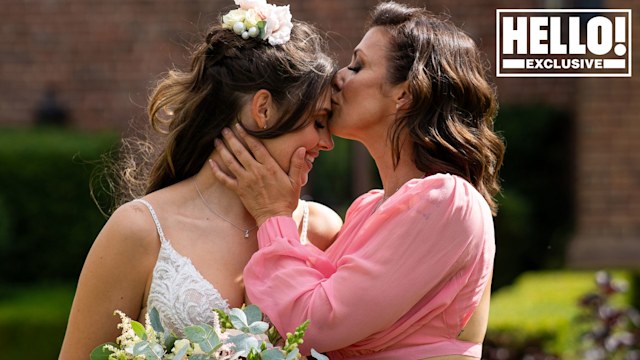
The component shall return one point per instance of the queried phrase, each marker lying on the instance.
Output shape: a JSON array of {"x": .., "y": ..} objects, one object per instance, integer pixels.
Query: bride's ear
[{"x": 263, "y": 111}]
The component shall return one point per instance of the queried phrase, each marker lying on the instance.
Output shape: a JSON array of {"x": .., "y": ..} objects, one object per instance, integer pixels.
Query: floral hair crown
[{"x": 257, "y": 18}]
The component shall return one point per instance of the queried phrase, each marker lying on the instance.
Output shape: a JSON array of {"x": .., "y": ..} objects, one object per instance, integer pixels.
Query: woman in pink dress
[{"x": 409, "y": 274}]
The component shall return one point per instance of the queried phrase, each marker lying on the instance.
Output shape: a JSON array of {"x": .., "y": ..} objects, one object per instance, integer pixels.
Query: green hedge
[
  {"x": 33, "y": 320},
  {"x": 536, "y": 214},
  {"x": 541, "y": 309},
  {"x": 47, "y": 217}
]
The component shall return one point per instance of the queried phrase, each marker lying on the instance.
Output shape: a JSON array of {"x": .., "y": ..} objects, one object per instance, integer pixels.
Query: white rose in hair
[
  {"x": 278, "y": 27},
  {"x": 250, "y": 4},
  {"x": 233, "y": 17}
]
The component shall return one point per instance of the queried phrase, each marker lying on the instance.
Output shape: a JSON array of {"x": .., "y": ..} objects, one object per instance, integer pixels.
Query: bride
[{"x": 182, "y": 245}]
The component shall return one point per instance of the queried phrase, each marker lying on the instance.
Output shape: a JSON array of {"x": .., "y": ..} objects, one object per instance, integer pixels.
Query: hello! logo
[{"x": 563, "y": 43}]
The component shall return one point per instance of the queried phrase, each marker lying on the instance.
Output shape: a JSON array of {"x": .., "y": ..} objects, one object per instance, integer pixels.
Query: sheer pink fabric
[{"x": 399, "y": 282}]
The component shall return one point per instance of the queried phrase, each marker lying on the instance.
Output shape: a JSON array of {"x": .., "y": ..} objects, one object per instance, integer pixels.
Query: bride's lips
[{"x": 310, "y": 158}]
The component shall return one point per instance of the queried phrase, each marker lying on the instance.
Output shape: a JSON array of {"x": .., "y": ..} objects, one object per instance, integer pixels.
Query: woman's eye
[
  {"x": 355, "y": 67},
  {"x": 320, "y": 124}
]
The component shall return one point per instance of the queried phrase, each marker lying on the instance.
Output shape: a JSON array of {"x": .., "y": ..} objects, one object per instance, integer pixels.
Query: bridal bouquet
[{"x": 241, "y": 334}]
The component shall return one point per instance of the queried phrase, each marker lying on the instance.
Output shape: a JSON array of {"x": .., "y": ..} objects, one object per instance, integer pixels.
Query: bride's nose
[{"x": 326, "y": 141}]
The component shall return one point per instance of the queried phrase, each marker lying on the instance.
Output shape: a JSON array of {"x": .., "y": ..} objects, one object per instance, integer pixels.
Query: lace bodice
[{"x": 179, "y": 292}]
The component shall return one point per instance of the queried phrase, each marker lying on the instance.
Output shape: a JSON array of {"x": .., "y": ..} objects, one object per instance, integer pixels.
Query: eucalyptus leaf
[
  {"x": 151, "y": 351},
  {"x": 239, "y": 319},
  {"x": 180, "y": 354},
  {"x": 203, "y": 335},
  {"x": 169, "y": 340},
  {"x": 200, "y": 357},
  {"x": 316, "y": 355},
  {"x": 195, "y": 333},
  {"x": 154, "y": 317},
  {"x": 244, "y": 342},
  {"x": 253, "y": 314},
  {"x": 272, "y": 354},
  {"x": 100, "y": 353},
  {"x": 258, "y": 327},
  {"x": 139, "y": 329}
]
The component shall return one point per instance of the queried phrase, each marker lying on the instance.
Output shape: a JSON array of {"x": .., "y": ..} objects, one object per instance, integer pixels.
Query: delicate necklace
[
  {"x": 385, "y": 197},
  {"x": 245, "y": 231}
]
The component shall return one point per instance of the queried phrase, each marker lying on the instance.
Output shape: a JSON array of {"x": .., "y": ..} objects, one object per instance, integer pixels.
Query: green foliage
[
  {"x": 25, "y": 311},
  {"x": 540, "y": 309},
  {"x": 536, "y": 212},
  {"x": 47, "y": 217},
  {"x": 295, "y": 339},
  {"x": 330, "y": 179}
]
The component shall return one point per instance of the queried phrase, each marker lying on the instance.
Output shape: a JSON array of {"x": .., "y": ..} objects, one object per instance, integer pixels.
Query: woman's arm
[
  {"x": 114, "y": 277},
  {"x": 408, "y": 261}
]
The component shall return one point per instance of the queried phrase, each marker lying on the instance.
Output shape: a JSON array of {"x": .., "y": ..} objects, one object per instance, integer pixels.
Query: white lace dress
[{"x": 182, "y": 296}]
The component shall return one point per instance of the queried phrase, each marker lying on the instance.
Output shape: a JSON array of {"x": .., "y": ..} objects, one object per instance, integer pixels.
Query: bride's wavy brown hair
[
  {"x": 189, "y": 108},
  {"x": 450, "y": 117}
]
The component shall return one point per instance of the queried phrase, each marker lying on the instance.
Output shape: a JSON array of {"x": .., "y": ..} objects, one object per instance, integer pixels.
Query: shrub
[
  {"x": 537, "y": 316},
  {"x": 33, "y": 315},
  {"x": 611, "y": 331},
  {"x": 47, "y": 217}
]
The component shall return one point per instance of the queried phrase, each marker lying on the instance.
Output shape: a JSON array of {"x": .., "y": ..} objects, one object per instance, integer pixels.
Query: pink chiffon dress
[{"x": 401, "y": 280}]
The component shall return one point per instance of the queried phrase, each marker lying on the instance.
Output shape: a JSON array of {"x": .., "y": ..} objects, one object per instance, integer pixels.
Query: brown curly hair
[
  {"x": 450, "y": 118},
  {"x": 189, "y": 108}
]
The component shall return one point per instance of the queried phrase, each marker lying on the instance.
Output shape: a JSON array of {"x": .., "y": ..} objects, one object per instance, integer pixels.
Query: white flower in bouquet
[{"x": 240, "y": 334}]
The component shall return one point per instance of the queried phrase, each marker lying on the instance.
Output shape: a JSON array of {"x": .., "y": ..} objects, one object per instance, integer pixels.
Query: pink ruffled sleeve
[{"x": 383, "y": 264}]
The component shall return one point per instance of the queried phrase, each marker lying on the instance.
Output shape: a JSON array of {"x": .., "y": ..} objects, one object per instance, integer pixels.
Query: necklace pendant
[{"x": 246, "y": 234}]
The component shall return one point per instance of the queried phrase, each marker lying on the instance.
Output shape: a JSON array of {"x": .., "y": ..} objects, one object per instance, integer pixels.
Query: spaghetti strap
[
  {"x": 305, "y": 223},
  {"x": 155, "y": 218}
]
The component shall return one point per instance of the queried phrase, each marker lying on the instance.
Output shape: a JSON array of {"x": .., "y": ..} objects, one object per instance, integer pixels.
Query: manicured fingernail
[
  {"x": 217, "y": 142},
  {"x": 226, "y": 131},
  {"x": 239, "y": 127}
]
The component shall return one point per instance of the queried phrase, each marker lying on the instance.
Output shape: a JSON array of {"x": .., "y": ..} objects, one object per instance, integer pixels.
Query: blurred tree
[{"x": 536, "y": 215}]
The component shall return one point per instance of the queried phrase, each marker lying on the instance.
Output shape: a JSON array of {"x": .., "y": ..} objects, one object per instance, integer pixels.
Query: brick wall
[
  {"x": 100, "y": 56},
  {"x": 103, "y": 56},
  {"x": 608, "y": 166}
]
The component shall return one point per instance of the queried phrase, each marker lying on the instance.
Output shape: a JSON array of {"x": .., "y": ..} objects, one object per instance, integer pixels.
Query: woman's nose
[
  {"x": 338, "y": 80},
  {"x": 326, "y": 140}
]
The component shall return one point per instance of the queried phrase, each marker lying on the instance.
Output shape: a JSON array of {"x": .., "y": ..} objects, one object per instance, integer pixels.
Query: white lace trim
[
  {"x": 179, "y": 292},
  {"x": 182, "y": 296}
]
